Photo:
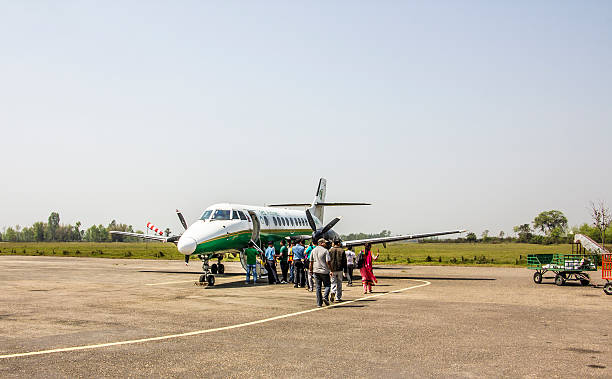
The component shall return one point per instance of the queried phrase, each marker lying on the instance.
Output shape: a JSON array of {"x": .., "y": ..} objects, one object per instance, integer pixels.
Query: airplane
[{"x": 227, "y": 228}]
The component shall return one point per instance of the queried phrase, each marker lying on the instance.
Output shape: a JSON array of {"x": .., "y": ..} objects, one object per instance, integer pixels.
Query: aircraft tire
[
  {"x": 213, "y": 268},
  {"x": 221, "y": 268},
  {"x": 202, "y": 278},
  {"x": 211, "y": 280}
]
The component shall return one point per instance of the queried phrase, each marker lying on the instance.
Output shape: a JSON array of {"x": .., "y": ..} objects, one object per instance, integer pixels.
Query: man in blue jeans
[
  {"x": 271, "y": 264},
  {"x": 251, "y": 263},
  {"x": 298, "y": 264},
  {"x": 320, "y": 263}
]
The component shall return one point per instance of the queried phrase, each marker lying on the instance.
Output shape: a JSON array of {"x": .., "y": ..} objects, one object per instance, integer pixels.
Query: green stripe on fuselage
[{"x": 239, "y": 240}]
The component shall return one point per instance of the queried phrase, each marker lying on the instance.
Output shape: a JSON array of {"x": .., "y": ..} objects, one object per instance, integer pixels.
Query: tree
[
  {"x": 602, "y": 218},
  {"x": 39, "y": 231},
  {"x": 52, "y": 225},
  {"x": 471, "y": 237},
  {"x": 76, "y": 232},
  {"x": 485, "y": 235},
  {"x": 549, "y": 221},
  {"x": 524, "y": 232},
  {"x": 10, "y": 235},
  {"x": 501, "y": 235}
]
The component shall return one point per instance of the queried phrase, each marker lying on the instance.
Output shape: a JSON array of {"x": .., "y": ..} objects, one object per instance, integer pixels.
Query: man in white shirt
[
  {"x": 350, "y": 264},
  {"x": 320, "y": 263}
]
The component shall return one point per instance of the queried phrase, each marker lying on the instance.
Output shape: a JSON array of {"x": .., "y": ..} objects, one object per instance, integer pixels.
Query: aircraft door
[
  {"x": 261, "y": 271},
  {"x": 256, "y": 227}
]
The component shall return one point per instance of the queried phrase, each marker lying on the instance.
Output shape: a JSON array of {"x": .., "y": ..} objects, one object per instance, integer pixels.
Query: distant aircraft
[{"x": 228, "y": 228}]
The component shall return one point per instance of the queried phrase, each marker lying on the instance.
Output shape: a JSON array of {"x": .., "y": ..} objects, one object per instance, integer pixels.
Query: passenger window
[
  {"x": 266, "y": 220},
  {"x": 235, "y": 215},
  {"x": 274, "y": 219},
  {"x": 291, "y": 219},
  {"x": 221, "y": 214},
  {"x": 282, "y": 221},
  {"x": 241, "y": 215}
]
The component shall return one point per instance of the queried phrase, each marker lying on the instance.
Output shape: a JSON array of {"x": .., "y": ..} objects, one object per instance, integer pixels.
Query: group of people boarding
[{"x": 321, "y": 268}]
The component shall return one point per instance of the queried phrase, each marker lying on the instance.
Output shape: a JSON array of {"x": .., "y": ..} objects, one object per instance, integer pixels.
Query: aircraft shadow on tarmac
[
  {"x": 191, "y": 272},
  {"x": 376, "y": 269}
]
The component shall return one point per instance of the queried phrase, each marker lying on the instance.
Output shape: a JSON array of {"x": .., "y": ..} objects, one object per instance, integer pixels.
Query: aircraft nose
[{"x": 186, "y": 245}]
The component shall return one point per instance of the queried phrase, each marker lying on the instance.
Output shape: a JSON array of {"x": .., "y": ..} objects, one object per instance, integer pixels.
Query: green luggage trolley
[{"x": 567, "y": 267}]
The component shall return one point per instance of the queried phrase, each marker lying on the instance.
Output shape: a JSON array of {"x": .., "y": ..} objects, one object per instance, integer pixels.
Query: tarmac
[{"x": 84, "y": 317}]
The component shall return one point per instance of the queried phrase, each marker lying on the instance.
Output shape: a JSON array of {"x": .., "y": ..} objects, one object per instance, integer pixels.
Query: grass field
[{"x": 508, "y": 254}]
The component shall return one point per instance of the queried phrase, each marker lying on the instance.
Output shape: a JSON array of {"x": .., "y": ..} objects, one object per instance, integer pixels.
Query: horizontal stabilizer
[
  {"x": 321, "y": 204},
  {"x": 290, "y": 205}
]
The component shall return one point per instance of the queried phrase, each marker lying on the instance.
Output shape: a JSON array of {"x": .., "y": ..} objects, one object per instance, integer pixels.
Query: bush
[{"x": 428, "y": 259}]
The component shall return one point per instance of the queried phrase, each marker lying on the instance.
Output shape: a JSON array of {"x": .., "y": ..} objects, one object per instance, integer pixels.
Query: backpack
[{"x": 360, "y": 260}]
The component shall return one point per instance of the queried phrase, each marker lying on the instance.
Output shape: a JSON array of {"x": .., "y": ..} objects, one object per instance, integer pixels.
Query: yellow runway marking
[{"x": 206, "y": 331}]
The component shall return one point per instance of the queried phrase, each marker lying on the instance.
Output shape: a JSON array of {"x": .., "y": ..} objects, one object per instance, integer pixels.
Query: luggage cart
[
  {"x": 606, "y": 272},
  {"x": 567, "y": 267}
]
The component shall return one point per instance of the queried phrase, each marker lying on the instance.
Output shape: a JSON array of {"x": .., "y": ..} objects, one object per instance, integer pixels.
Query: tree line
[{"x": 53, "y": 231}]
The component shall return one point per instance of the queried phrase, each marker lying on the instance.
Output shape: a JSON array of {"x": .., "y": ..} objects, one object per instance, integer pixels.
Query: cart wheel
[
  {"x": 559, "y": 280},
  {"x": 608, "y": 288},
  {"x": 537, "y": 277}
]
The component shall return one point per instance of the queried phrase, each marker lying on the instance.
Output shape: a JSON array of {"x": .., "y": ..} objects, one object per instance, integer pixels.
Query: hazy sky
[{"x": 444, "y": 114}]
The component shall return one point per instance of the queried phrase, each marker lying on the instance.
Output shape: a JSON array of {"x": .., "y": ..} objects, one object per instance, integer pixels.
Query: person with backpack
[
  {"x": 364, "y": 263},
  {"x": 337, "y": 266}
]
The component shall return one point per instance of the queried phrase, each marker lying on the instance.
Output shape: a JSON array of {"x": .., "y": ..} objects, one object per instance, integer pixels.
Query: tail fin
[
  {"x": 316, "y": 209},
  {"x": 318, "y": 204}
]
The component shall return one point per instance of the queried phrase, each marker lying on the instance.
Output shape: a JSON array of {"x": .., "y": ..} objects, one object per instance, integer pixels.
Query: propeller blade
[
  {"x": 180, "y": 216},
  {"x": 311, "y": 222},
  {"x": 330, "y": 225}
]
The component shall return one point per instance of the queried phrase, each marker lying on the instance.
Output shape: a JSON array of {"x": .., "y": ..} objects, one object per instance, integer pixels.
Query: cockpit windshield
[
  {"x": 221, "y": 214},
  {"x": 206, "y": 215}
]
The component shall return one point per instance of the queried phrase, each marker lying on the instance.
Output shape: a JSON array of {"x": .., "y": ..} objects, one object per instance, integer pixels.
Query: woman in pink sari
[{"x": 367, "y": 275}]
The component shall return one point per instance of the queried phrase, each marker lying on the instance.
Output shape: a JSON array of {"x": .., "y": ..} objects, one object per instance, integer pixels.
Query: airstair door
[
  {"x": 256, "y": 228},
  {"x": 261, "y": 271}
]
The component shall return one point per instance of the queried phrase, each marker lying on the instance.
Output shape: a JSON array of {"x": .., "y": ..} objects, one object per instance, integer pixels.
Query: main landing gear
[
  {"x": 218, "y": 268},
  {"x": 208, "y": 276}
]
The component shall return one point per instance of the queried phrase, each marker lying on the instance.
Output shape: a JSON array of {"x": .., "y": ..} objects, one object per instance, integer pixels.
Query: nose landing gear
[{"x": 208, "y": 276}]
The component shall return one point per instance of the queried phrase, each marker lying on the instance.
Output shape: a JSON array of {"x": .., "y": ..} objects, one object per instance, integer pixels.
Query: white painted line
[
  {"x": 161, "y": 284},
  {"x": 205, "y": 331}
]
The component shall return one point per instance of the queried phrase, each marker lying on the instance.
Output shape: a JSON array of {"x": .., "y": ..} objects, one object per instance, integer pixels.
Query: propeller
[
  {"x": 311, "y": 222},
  {"x": 180, "y": 216},
  {"x": 316, "y": 234}
]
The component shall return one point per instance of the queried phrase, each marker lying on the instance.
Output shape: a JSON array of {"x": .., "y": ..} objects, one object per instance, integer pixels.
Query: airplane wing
[
  {"x": 143, "y": 236},
  {"x": 404, "y": 237}
]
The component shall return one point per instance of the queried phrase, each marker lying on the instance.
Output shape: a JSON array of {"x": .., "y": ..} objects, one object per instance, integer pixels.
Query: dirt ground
[{"x": 420, "y": 321}]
